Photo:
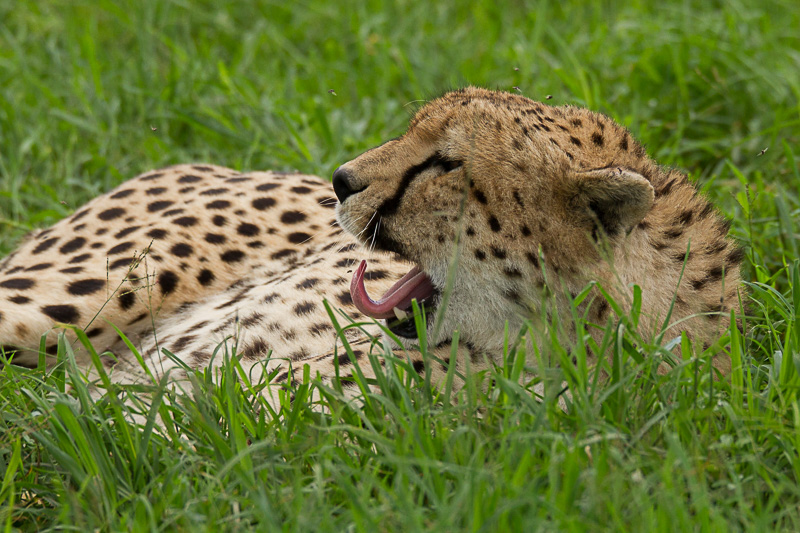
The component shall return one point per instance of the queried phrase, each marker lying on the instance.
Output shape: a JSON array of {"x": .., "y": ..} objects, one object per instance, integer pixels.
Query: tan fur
[{"x": 560, "y": 192}]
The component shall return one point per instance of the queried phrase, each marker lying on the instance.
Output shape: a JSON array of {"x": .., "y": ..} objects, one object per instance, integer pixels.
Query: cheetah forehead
[{"x": 571, "y": 135}]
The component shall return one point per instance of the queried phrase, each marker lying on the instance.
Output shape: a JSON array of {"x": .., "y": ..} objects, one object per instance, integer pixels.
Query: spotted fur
[{"x": 527, "y": 195}]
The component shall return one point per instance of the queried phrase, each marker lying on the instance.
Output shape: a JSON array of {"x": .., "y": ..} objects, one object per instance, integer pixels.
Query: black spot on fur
[
  {"x": 186, "y": 222},
  {"x": 494, "y": 224},
  {"x": 681, "y": 256},
  {"x": 79, "y": 215},
  {"x": 218, "y": 204},
  {"x": 73, "y": 245},
  {"x": 125, "y": 232},
  {"x": 292, "y": 217},
  {"x": 214, "y": 192},
  {"x": 111, "y": 214},
  {"x": 67, "y": 314},
  {"x": 575, "y": 141},
  {"x": 139, "y": 317},
  {"x": 124, "y": 193},
  {"x": 157, "y": 233},
  {"x": 298, "y": 237},
  {"x": 219, "y": 220},
  {"x": 37, "y": 267},
  {"x": 215, "y": 238},
  {"x": 602, "y": 309},
  {"x": 232, "y": 256},
  {"x": 666, "y": 188},
  {"x": 512, "y": 295},
  {"x": 19, "y": 300},
  {"x": 119, "y": 263},
  {"x": 79, "y": 258},
  {"x": 267, "y": 186},
  {"x": 85, "y": 286},
  {"x": 44, "y": 245},
  {"x": 155, "y": 191},
  {"x": 168, "y": 281},
  {"x": 532, "y": 259},
  {"x": 344, "y": 298},
  {"x": 480, "y": 255},
  {"x": 206, "y": 277},
  {"x": 320, "y": 328},
  {"x": 189, "y": 179},
  {"x": 280, "y": 254},
  {"x": 525, "y": 230},
  {"x": 263, "y": 203},
  {"x": 304, "y": 308},
  {"x": 19, "y": 284},
  {"x": 182, "y": 343},
  {"x": 498, "y": 252},
  {"x": 735, "y": 256},
  {"x": 343, "y": 263},
  {"x": 118, "y": 249},
  {"x": 247, "y": 229},
  {"x": 181, "y": 250},
  {"x": 375, "y": 274},
  {"x": 160, "y": 205},
  {"x": 480, "y": 196},
  {"x": 707, "y": 210}
]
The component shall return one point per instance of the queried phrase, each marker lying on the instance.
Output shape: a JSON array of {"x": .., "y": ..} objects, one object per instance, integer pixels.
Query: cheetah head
[{"x": 491, "y": 195}]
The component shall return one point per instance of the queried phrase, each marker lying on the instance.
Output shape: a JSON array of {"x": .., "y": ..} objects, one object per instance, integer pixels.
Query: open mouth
[{"x": 395, "y": 304}]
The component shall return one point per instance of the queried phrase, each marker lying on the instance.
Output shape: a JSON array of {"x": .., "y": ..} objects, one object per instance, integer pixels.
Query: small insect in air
[
  {"x": 517, "y": 89},
  {"x": 331, "y": 91},
  {"x": 516, "y": 69},
  {"x": 762, "y": 152},
  {"x": 153, "y": 128},
  {"x": 548, "y": 97}
]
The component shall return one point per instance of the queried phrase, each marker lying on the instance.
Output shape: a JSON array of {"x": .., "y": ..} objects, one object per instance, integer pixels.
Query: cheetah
[{"x": 488, "y": 201}]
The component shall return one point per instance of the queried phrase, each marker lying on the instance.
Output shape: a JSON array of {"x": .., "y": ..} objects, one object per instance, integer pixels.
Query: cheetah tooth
[{"x": 399, "y": 313}]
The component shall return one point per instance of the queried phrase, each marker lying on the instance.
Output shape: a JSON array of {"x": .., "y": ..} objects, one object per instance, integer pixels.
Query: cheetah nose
[{"x": 342, "y": 187}]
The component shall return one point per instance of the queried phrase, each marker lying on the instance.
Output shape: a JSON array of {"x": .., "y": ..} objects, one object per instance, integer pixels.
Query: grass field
[{"x": 94, "y": 92}]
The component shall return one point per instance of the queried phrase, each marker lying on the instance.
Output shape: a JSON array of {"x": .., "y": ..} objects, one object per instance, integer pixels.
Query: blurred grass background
[{"x": 95, "y": 92}]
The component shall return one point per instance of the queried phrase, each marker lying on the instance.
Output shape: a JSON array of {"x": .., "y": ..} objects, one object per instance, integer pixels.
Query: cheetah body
[{"x": 493, "y": 196}]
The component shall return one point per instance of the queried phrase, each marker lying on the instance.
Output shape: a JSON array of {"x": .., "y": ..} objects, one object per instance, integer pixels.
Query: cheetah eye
[{"x": 447, "y": 164}]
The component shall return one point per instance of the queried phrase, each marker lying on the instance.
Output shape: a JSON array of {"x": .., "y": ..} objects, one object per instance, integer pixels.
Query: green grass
[{"x": 92, "y": 93}]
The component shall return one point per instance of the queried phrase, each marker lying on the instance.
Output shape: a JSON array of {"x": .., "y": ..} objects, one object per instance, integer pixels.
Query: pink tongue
[{"x": 415, "y": 284}]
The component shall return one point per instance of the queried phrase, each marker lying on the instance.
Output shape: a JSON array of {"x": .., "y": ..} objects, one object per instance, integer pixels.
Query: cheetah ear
[{"x": 615, "y": 199}]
